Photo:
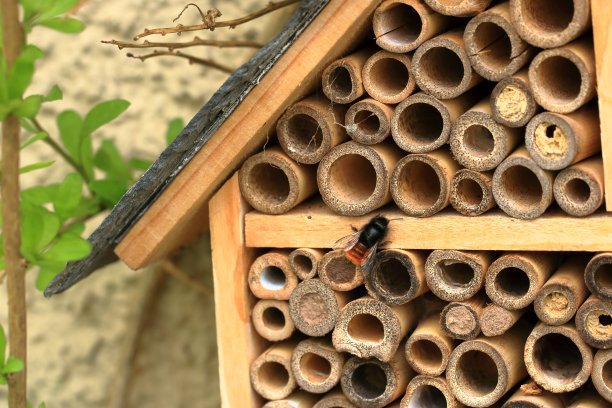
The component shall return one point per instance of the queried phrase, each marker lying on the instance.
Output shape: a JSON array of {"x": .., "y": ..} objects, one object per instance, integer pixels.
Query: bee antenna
[{"x": 395, "y": 219}]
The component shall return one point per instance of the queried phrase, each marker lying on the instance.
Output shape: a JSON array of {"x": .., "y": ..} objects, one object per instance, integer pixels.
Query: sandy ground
[{"x": 79, "y": 342}]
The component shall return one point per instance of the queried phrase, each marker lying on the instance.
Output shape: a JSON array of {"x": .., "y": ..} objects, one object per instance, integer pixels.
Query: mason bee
[{"x": 360, "y": 246}]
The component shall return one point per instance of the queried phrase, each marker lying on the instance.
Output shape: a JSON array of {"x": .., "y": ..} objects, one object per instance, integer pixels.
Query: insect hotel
[{"x": 407, "y": 207}]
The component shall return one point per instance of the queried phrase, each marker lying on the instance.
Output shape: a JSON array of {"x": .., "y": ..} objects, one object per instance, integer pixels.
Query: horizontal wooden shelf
[{"x": 316, "y": 226}]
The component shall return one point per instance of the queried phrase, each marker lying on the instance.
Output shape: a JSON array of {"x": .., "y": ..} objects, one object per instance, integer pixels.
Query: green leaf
[
  {"x": 3, "y": 379},
  {"x": 39, "y": 195},
  {"x": 29, "y": 107},
  {"x": 35, "y": 166},
  {"x": 110, "y": 191},
  {"x": 69, "y": 124},
  {"x": 55, "y": 94},
  {"x": 103, "y": 113},
  {"x": 2, "y": 345},
  {"x": 88, "y": 206},
  {"x": 13, "y": 365},
  {"x": 39, "y": 227},
  {"x": 42, "y": 405},
  {"x": 22, "y": 71},
  {"x": 109, "y": 160},
  {"x": 64, "y": 24},
  {"x": 46, "y": 272},
  {"x": 68, "y": 195},
  {"x": 86, "y": 151},
  {"x": 77, "y": 228},
  {"x": 140, "y": 164},
  {"x": 34, "y": 138},
  {"x": 68, "y": 247},
  {"x": 174, "y": 128}
]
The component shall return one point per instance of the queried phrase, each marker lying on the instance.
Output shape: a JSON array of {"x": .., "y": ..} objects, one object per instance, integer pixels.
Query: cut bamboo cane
[
  {"x": 441, "y": 66},
  {"x": 314, "y": 307},
  {"x": 428, "y": 347},
  {"x": 556, "y": 141},
  {"x": 369, "y": 328},
  {"x": 478, "y": 142},
  {"x": 461, "y": 320},
  {"x": 550, "y": 23},
  {"x": 305, "y": 262},
  {"x": 456, "y": 275},
  {"x": 337, "y": 272},
  {"x": 387, "y": 77},
  {"x": 422, "y": 123},
  {"x": 273, "y": 183},
  {"x": 354, "y": 179},
  {"x": 342, "y": 81},
  {"x": 271, "y": 375},
  {"x": 271, "y": 277},
  {"x": 482, "y": 370},
  {"x": 514, "y": 279},
  {"x": 588, "y": 398},
  {"x": 557, "y": 358},
  {"x": 521, "y": 188},
  {"x": 334, "y": 399},
  {"x": 562, "y": 295},
  {"x": 494, "y": 46},
  {"x": 512, "y": 102},
  {"x": 310, "y": 128},
  {"x": 598, "y": 276},
  {"x": 429, "y": 392},
  {"x": 316, "y": 365},
  {"x": 602, "y": 373},
  {"x": 402, "y": 25},
  {"x": 458, "y": 8},
  {"x": 397, "y": 276},
  {"x": 370, "y": 383},
  {"x": 496, "y": 320},
  {"x": 271, "y": 320},
  {"x": 579, "y": 189},
  {"x": 471, "y": 192},
  {"x": 368, "y": 121},
  {"x": 545, "y": 399},
  {"x": 594, "y": 322},
  {"x": 420, "y": 183},
  {"x": 563, "y": 79},
  {"x": 299, "y": 399}
]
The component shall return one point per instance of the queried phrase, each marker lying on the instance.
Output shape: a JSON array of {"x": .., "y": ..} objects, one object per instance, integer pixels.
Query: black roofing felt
[{"x": 172, "y": 160}]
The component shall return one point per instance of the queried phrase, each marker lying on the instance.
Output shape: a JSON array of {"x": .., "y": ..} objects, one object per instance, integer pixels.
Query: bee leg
[
  {"x": 383, "y": 245},
  {"x": 354, "y": 228}
]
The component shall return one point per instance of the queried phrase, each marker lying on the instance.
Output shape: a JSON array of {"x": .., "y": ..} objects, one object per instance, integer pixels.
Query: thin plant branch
[
  {"x": 171, "y": 46},
  {"x": 190, "y": 58},
  {"x": 181, "y": 275}
]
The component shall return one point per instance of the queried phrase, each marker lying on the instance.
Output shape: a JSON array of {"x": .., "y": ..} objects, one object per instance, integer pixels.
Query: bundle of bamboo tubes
[{"x": 465, "y": 104}]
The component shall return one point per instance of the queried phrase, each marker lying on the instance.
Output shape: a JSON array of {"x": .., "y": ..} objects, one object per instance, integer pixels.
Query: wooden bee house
[{"x": 524, "y": 127}]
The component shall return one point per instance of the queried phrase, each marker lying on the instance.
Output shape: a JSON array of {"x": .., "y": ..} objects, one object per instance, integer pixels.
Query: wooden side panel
[
  {"x": 314, "y": 225},
  {"x": 330, "y": 35},
  {"x": 601, "y": 11},
  {"x": 237, "y": 341}
]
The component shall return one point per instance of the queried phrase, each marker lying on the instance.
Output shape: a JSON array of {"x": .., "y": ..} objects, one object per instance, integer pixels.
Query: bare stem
[
  {"x": 181, "y": 275},
  {"x": 171, "y": 46},
  {"x": 190, "y": 58}
]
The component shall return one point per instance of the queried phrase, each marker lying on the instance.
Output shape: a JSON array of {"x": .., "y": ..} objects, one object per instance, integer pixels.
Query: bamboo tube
[
  {"x": 555, "y": 141},
  {"x": 314, "y": 307},
  {"x": 369, "y": 328},
  {"x": 271, "y": 277},
  {"x": 316, "y": 365},
  {"x": 441, "y": 66},
  {"x": 271, "y": 375},
  {"x": 512, "y": 102},
  {"x": 579, "y": 189},
  {"x": 563, "y": 79},
  {"x": 370, "y": 383},
  {"x": 271, "y": 320},
  {"x": 550, "y": 23},
  {"x": 557, "y": 358},
  {"x": 334, "y": 399},
  {"x": 521, "y": 188},
  {"x": 299, "y": 399},
  {"x": 305, "y": 262},
  {"x": 273, "y": 183},
  {"x": 598, "y": 276},
  {"x": 589, "y": 399},
  {"x": 461, "y": 320},
  {"x": 602, "y": 373},
  {"x": 420, "y": 183},
  {"x": 342, "y": 81},
  {"x": 428, "y": 347},
  {"x": 368, "y": 121},
  {"x": 429, "y": 392},
  {"x": 397, "y": 276},
  {"x": 310, "y": 128},
  {"x": 336, "y": 271},
  {"x": 387, "y": 77},
  {"x": 482, "y": 370},
  {"x": 458, "y": 8},
  {"x": 594, "y": 322},
  {"x": 494, "y": 46},
  {"x": 354, "y": 179},
  {"x": 562, "y": 295},
  {"x": 496, "y": 320},
  {"x": 478, "y": 142},
  {"x": 471, "y": 192},
  {"x": 514, "y": 279},
  {"x": 456, "y": 275},
  {"x": 402, "y": 25},
  {"x": 422, "y": 123},
  {"x": 545, "y": 399}
]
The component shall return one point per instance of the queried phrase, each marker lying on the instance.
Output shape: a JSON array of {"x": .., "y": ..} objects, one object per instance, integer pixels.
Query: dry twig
[
  {"x": 171, "y": 46},
  {"x": 190, "y": 58},
  {"x": 179, "y": 274}
]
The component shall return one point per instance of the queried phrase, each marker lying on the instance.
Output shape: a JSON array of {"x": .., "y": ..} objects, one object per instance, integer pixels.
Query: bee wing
[
  {"x": 368, "y": 260},
  {"x": 347, "y": 242}
]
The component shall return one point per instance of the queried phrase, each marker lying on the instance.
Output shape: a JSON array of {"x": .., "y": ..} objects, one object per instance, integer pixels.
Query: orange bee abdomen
[{"x": 356, "y": 253}]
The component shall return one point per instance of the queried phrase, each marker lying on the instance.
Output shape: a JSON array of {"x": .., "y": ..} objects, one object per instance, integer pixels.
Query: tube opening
[
  {"x": 312, "y": 308},
  {"x": 369, "y": 381},
  {"x": 557, "y": 357},
  {"x": 606, "y": 373},
  {"x": 269, "y": 182},
  {"x": 556, "y": 304},
  {"x": 522, "y": 186},
  {"x": 458, "y": 274},
  {"x": 477, "y": 373},
  {"x": 419, "y": 185},
  {"x": 272, "y": 278},
  {"x": 273, "y": 318},
  {"x": 400, "y": 25},
  {"x": 559, "y": 79},
  {"x": 470, "y": 192},
  {"x": 478, "y": 141},
  {"x": 427, "y": 396},
  {"x": 273, "y": 376},
  {"x": 341, "y": 82},
  {"x": 577, "y": 190},
  {"x": 306, "y": 134},
  {"x": 366, "y": 328},
  {"x": 603, "y": 277},
  {"x": 391, "y": 76},
  {"x": 493, "y": 45},
  {"x": 421, "y": 123},
  {"x": 352, "y": 178},
  {"x": 443, "y": 67},
  {"x": 315, "y": 368},
  {"x": 512, "y": 103},
  {"x": 340, "y": 270},
  {"x": 512, "y": 282},
  {"x": 548, "y": 15},
  {"x": 367, "y": 122},
  {"x": 303, "y": 264},
  {"x": 605, "y": 320},
  {"x": 427, "y": 354},
  {"x": 392, "y": 277}
]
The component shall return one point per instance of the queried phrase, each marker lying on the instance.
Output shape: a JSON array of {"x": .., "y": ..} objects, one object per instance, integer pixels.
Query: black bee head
[{"x": 380, "y": 221}]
